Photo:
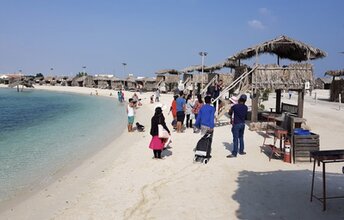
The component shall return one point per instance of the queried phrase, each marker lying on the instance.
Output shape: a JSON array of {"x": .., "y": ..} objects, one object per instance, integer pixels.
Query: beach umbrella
[
  {"x": 168, "y": 71},
  {"x": 193, "y": 68},
  {"x": 335, "y": 73},
  {"x": 283, "y": 47}
]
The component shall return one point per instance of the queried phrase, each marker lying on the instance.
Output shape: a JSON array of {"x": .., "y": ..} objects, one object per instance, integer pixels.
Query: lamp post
[
  {"x": 202, "y": 54},
  {"x": 124, "y": 64},
  {"x": 51, "y": 70},
  {"x": 84, "y": 70}
]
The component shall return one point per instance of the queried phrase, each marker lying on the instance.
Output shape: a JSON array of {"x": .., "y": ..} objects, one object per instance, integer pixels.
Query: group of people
[
  {"x": 204, "y": 113},
  {"x": 120, "y": 95},
  {"x": 183, "y": 107}
]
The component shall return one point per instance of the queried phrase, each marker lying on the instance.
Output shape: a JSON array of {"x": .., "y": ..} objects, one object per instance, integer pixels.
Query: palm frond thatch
[
  {"x": 284, "y": 47},
  {"x": 227, "y": 63},
  {"x": 168, "y": 71},
  {"x": 193, "y": 68},
  {"x": 335, "y": 73}
]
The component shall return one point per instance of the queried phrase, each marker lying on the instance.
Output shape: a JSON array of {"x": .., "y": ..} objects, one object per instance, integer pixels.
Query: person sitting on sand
[{"x": 156, "y": 143}]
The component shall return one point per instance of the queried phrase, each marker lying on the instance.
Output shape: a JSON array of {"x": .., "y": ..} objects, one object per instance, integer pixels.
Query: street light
[
  {"x": 84, "y": 70},
  {"x": 124, "y": 64},
  {"x": 202, "y": 54}
]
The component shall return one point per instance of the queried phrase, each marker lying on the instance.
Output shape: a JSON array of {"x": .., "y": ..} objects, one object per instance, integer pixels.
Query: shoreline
[
  {"x": 67, "y": 170},
  {"x": 132, "y": 185}
]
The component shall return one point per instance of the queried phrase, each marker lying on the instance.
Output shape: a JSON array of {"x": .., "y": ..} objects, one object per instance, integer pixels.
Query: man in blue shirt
[
  {"x": 180, "y": 101},
  {"x": 238, "y": 125},
  {"x": 205, "y": 117}
]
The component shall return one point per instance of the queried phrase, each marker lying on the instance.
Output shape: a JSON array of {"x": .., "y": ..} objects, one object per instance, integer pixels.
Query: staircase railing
[
  {"x": 231, "y": 86},
  {"x": 211, "y": 81},
  {"x": 234, "y": 83}
]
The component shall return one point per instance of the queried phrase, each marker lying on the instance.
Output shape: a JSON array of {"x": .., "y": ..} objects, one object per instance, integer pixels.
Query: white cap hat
[{"x": 234, "y": 99}]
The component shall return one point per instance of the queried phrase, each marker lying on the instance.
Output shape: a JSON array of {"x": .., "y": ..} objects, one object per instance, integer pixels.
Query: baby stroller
[{"x": 203, "y": 148}]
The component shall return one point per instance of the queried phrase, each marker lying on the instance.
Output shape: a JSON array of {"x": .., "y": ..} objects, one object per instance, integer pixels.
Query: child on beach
[{"x": 131, "y": 115}]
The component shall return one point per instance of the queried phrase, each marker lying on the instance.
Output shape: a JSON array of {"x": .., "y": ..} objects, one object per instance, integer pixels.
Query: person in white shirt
[{"x": 131, "y": 115}]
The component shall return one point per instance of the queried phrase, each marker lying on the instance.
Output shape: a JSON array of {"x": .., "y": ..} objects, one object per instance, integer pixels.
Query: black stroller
[{"x": 203, "y": 148}]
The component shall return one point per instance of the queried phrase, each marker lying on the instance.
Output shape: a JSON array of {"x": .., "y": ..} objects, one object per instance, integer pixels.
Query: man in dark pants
[{"x": 238, "y": 125}]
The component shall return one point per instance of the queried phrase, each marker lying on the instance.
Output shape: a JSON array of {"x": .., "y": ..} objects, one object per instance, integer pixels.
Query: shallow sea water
[{"x": 43, "y": 132}]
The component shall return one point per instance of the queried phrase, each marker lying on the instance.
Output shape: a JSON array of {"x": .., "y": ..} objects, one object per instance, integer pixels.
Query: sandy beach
[{"x": 129, "y": 184}]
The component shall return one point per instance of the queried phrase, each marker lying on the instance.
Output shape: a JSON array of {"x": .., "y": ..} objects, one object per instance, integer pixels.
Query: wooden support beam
[
  {"x": 300, "y": 102},
  {"x": 254, "y": 108},
  {"x": 278, "y": 100}
]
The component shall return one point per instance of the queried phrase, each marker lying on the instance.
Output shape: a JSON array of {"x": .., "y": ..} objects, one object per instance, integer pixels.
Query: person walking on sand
[
  {"x": 173, "y": 109},
  {"x": 131, "y": 115},
  {"x": 238, "y": 125},
  {"x": 198, "y": 105},
  {"x": 205, "y": 117},
  {"x": 180, "y": 111},
  {"x": 188, "y": 111},
  {"x": 157, "y": 95},
  {"x": 156, "y": 143}
]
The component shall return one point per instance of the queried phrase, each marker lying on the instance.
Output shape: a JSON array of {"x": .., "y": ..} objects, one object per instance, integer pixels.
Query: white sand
[{"x": 131, "y": 185}]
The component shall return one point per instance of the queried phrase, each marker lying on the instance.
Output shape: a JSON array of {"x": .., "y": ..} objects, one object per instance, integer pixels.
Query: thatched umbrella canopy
[
  {"x": 168, "y": 71},
  {"x": 193, "y": 68},
  {"x": 335, "y": 73},
  {"x": 283, "y": 47},
  {"x": 227, "y": 63},
  {"x": 27, "y": 84}
]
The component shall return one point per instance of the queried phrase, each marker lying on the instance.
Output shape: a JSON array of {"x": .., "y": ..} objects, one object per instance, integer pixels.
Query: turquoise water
[{"x": 43, "y": 132}]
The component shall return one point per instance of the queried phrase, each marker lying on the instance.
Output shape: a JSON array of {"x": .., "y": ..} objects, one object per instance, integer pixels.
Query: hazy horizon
[{"x": 150, "y": 35}]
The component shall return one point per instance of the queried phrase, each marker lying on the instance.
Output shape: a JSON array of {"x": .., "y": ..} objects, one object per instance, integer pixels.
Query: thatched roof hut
[
  {"x": 102, "y": 82},
  {"x": 193, "y": 68},
  {"x": 335, "y": 73},
  {"x": 295, "y": 76},
  {"x": 167, "y": 80},
  {"x": 146, "y": 83},
  {"x": 227, "y": 64},
  {"x": 337, "y": 85},
  {"x": 83, "y": 81},
  {"x": 283, "y": 47},
  {"x": 130, "y": 83},
  {"x": 168, "y": 71}
]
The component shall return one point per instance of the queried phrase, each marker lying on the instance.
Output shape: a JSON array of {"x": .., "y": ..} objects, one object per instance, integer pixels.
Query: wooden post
[
  {"x": 254, "y": 111},
  {"x": 300, "y": 101},
  {"x": 278, "y": 100}
]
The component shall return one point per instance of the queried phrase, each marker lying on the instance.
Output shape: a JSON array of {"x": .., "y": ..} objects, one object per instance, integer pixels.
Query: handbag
[{"x": 162, "y": 133}]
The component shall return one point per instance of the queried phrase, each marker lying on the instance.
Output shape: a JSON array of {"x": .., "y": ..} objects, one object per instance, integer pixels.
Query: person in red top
[
  {"x": 173, "y": 108},
  {"x": 198, "y": 105}
]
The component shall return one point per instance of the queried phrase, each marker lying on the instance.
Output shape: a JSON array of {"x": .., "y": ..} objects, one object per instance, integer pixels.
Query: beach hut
[
  {"x": 167, "y": 79},
  {"x": 50, "y": 80},
  {"x": 337, "y": 85},
  {"x": 296, "y": 76},
  {"x": 130, "y": 83},
  {"x": 62, "y": 80},
  {"x": 146, "y": 84},
  {"x": 117, "y": 83},
  {"x": 102, "y": 82},
  {"x": 149, "y": 84},
  {"x": 323, "y": 83},
  {"x": 83, "y": 81}
]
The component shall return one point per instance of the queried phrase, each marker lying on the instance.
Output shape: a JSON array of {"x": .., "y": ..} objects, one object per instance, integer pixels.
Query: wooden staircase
[{"x": 242, "y": 84}]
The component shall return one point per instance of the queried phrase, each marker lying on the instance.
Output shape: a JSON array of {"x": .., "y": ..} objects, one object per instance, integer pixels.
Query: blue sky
[{"x": 149, "y": 35}]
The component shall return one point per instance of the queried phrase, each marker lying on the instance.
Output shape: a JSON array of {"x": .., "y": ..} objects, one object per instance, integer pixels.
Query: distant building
[{"x": 323, "y": 83}]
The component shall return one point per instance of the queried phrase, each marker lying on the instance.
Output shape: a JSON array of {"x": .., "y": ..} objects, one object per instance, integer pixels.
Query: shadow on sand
[{"x": 286, "y": 195}]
